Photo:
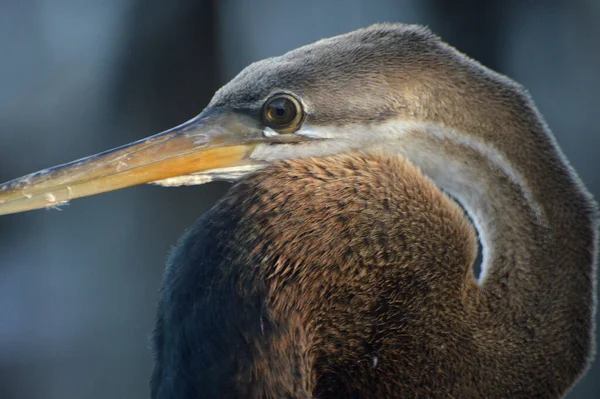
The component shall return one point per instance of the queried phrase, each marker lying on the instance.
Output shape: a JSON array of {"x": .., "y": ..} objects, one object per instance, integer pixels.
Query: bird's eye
[{"x": 282, "y": 113}]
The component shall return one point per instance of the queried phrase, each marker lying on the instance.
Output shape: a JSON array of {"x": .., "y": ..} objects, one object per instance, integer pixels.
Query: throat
[{"x": 223, "y": 174}]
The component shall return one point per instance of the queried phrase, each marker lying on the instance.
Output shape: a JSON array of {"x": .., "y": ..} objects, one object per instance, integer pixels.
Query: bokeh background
[{"x": 78, "y": 288}]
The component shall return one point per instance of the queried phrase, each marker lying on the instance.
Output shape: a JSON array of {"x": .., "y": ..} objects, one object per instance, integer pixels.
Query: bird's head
[{"x": 350, "y": 92}]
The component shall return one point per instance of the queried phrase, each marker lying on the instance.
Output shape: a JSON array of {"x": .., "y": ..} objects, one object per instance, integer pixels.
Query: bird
[{"x": 366, "y": 167}]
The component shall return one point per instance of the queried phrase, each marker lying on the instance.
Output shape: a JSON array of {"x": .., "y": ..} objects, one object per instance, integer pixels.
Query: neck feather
[{"x": 537, "y": 224}]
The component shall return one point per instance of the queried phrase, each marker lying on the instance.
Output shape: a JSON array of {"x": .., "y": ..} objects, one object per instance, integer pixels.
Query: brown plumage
[
  {"x": 352, "y": 277},
  {"x": 367, "y": 269},
  {"x": 349, "y": 274}
]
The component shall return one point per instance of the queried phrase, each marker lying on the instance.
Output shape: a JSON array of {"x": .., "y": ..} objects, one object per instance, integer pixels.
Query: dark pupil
[{"x": 281, "y": 111}]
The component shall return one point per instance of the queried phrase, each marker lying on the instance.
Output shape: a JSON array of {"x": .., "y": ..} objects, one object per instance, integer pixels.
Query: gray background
[{"x": 78, "y": 288}]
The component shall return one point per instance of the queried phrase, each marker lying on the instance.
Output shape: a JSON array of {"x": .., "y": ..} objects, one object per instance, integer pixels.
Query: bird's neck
[
  {"x": 520, "y": 198},
  {"x": 536, "y": 222}
]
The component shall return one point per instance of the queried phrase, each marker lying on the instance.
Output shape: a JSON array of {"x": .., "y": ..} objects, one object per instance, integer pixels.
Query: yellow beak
[{"x": 213, "y": 140}]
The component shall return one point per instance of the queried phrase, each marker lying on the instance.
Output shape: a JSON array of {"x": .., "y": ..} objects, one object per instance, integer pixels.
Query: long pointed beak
[{"x": 215, "y": 139}]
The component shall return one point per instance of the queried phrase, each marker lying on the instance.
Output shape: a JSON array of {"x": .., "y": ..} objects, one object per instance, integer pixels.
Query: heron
[{"x": 340, "y": 264}]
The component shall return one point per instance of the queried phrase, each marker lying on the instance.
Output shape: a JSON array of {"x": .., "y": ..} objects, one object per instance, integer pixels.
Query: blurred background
[{"x": 78, "y": 288}]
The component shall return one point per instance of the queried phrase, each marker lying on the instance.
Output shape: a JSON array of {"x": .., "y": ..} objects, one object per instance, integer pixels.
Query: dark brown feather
[{"x": 350, "y": 276}]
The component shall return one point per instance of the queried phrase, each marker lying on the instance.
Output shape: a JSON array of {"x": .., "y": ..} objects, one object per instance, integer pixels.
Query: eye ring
[{"x": 283, "y": 113}]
